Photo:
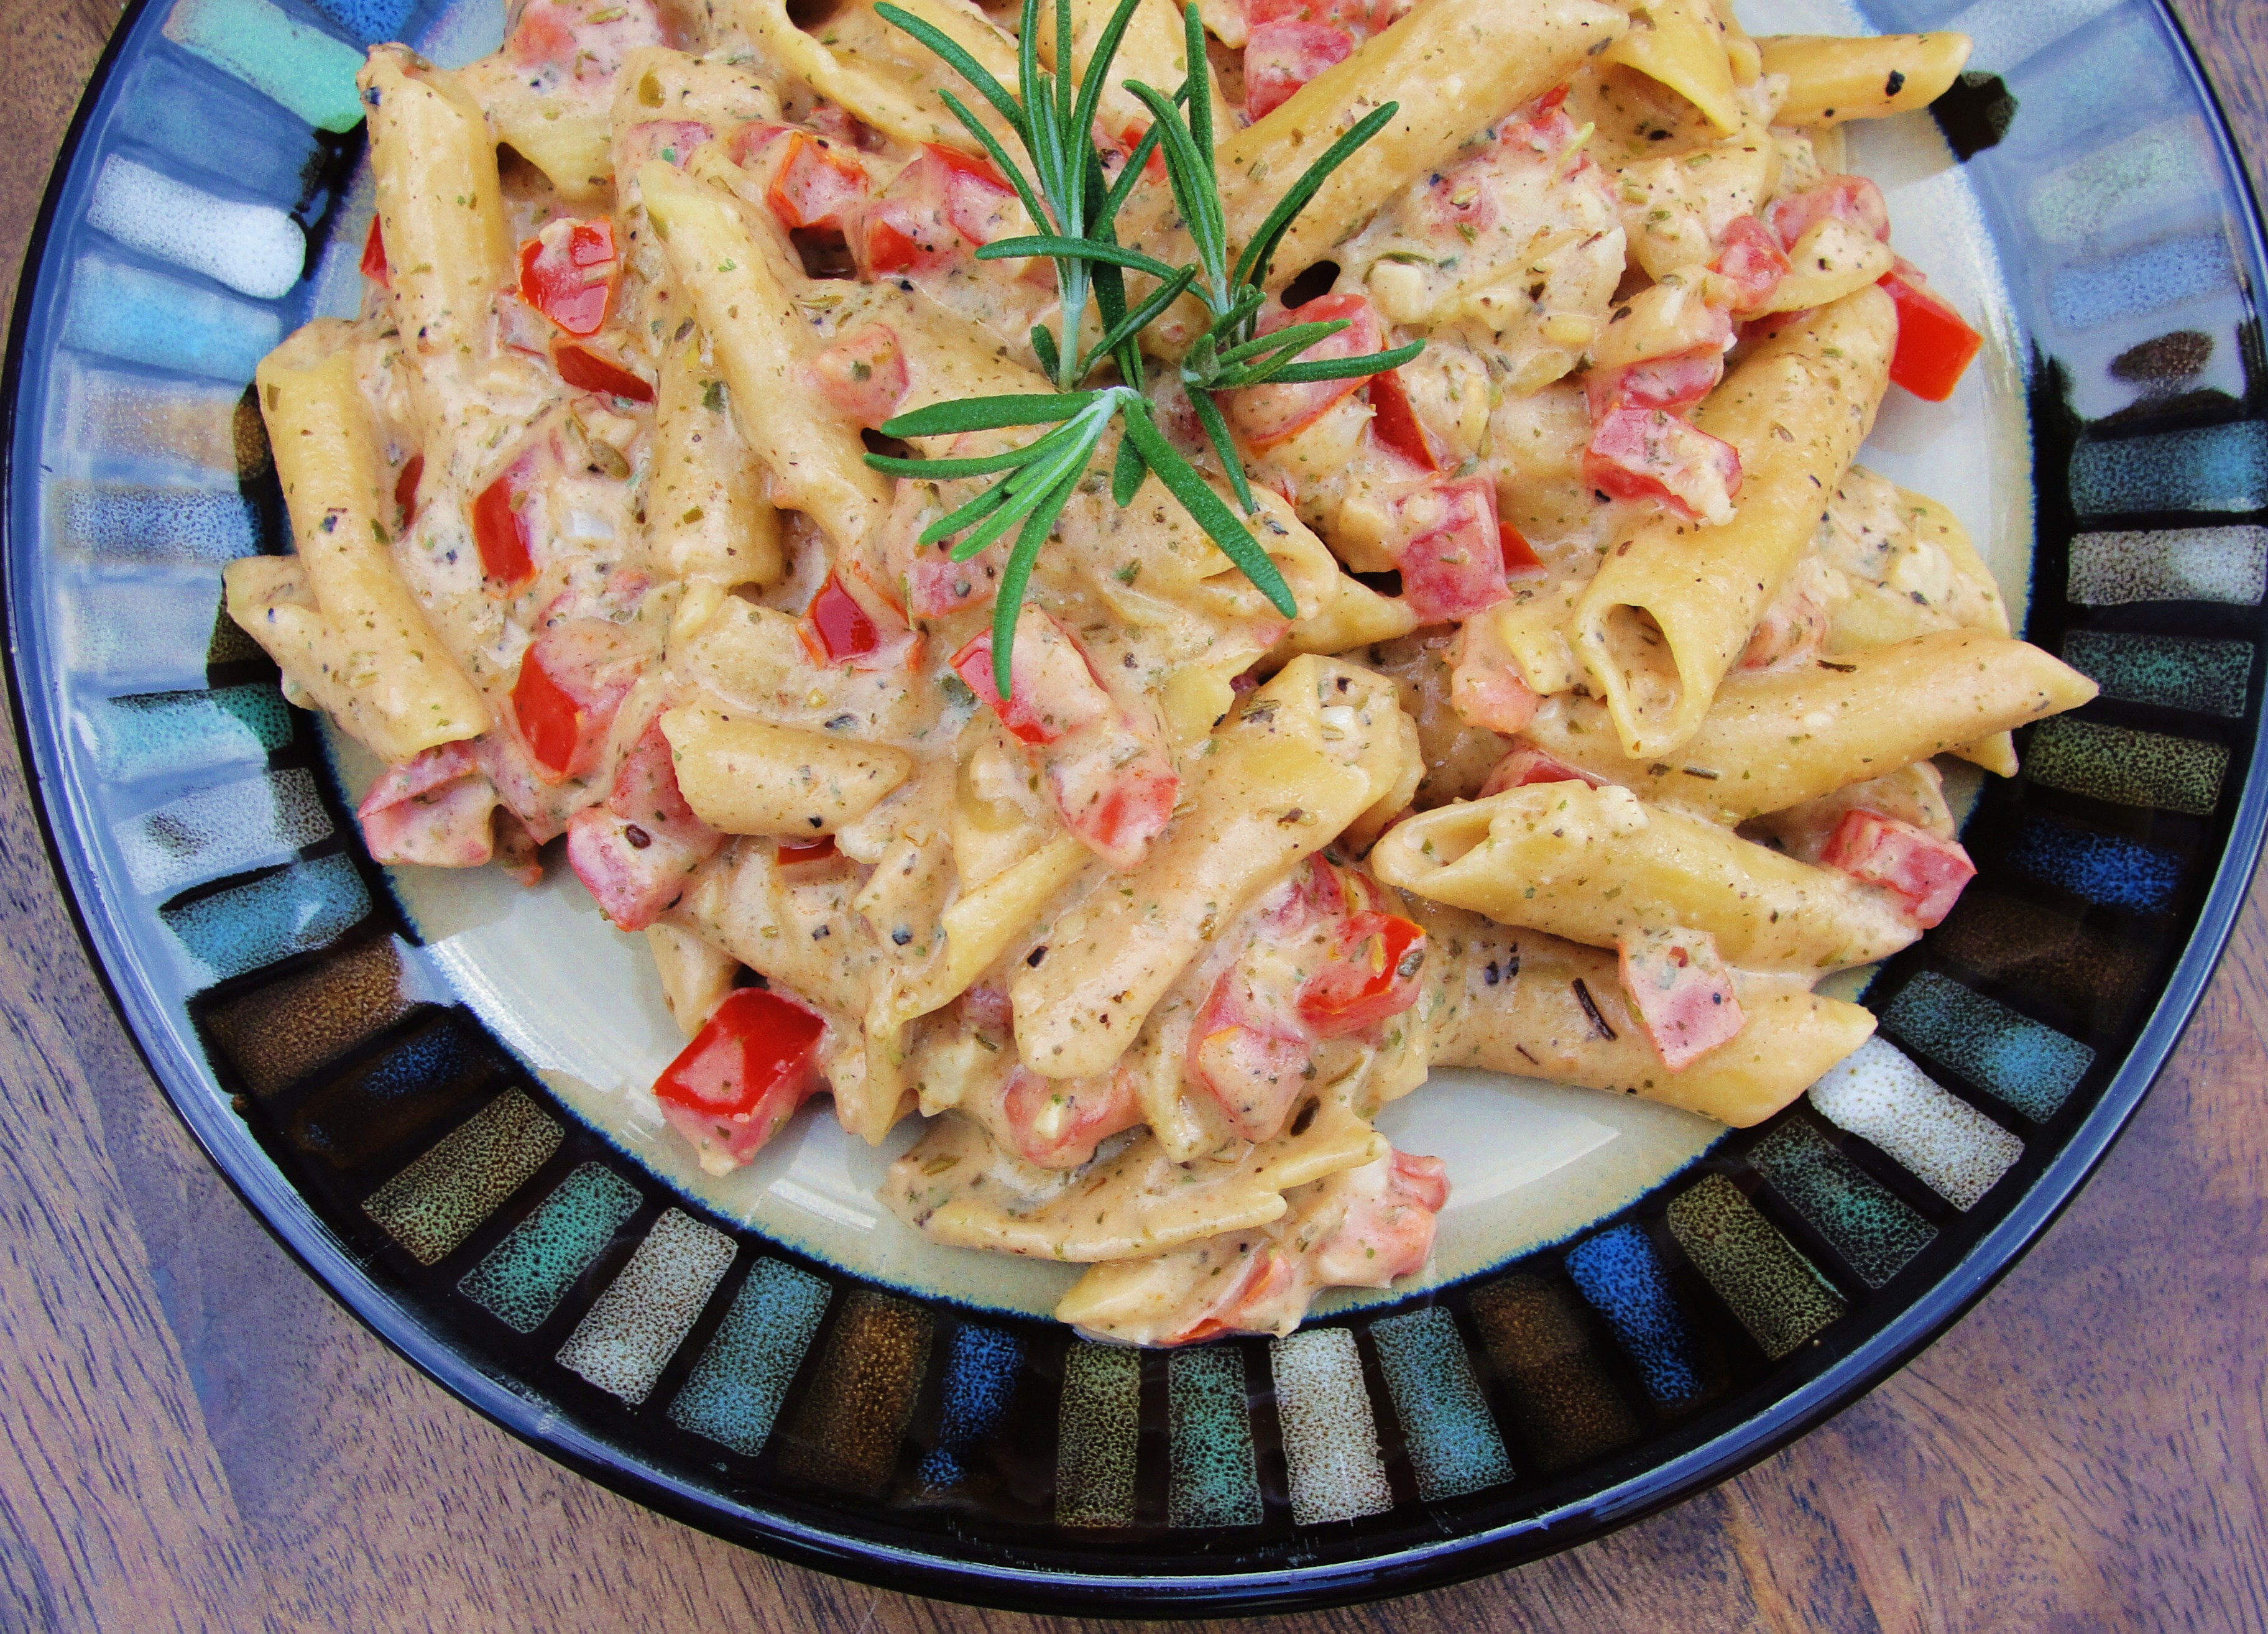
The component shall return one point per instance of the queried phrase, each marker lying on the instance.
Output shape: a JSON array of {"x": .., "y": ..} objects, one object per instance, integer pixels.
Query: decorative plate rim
[{"x": 1838, "y": 1376}]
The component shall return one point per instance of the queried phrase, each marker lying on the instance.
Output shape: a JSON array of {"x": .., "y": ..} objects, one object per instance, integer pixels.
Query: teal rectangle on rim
[
  {"x": 1452, "y": 1442},
  {"x": 1099, "y": 1426},
  {"x": 735, "y": 1395},
  {"x": 2214, "y": 468},
  {"x": 2179, "y": 672},
  {"x": 1779, "y": 1296},
  {"x": 441, "y": 1199},
  {"x": 2127, "y": 767},
  {"x": 1216, "y": 1475},
  {"x": 524, "y": 1277},
  {"x": 158, "y": 734},
  {"x": 1864, "y": 1220},
  {"x": 627, "y": 1338},
  {"x": 2025, "y": 1063},
  {"x": 293, "y": 911},
  {"x": 1331, "y": 1437},
  {"x": 306, "y": 70}
]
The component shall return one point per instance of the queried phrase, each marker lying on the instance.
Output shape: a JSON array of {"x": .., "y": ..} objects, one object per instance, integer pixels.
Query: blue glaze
[
  {"x": 2025, "y": 1063},
  {"x": 2149, "y": 279},
  {"x": 158, "y": 734},
  {"x": 1622, "y": 1276},
  {"x": 2101, "y": 867},
  {"x": 735, "y": 1395},
  {"x": 2214, "y": 467},
  {"x": 121, "y": 523},
  {"x": 370, "y": 21},
  {"x": 148, "y": 318},
  {"x": 293, "y": 911},
  {"x": 980, "y": 1380},
  {"x": 1452, "y": 1442},
  {"x": 213, "y": 124}
]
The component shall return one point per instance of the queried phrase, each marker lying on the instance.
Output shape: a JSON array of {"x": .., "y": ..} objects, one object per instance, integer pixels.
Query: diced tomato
[
  {"x": 589, "y": 371},
  {"x": 1751, "y": 260},
  {"x": 1637, "y": 453},
  {"x": 1450, "y": 552},
  {"x": 437, "y": 810},
  {"x": 1280, "y": 57},
  {"x": 1927, "y": 872},
  {"x": 572, "y": 679},
  {"x": 1113, "y": 785},
  {"x": 1656, "y": 383},
  {"x": 1395, "y": 423},
  {"x": 405, "y": 487},
  {"x": 1373, "y": 974},
  {"x": 634, "y": 852},
  {"x": 373, "y": 253},
  {"x": 1678, "y": 984},
  {"x": 976, "y": 196},
  {"x": 1266, "y": 414},
  {"x": 1935, "y": 343},
  {"x": 1059, "y": 1122},
  {"x": 548, "y": 720},
  {"x": 885, "y": 246},
  {"x": 754, "y": 1062},
  {"x": 837, "y": 627},
  {"x": 815, "y": 181},
  {"x": 1520, "y": 557},
  {"x": 585, "y": 40},
  {"x": 863, "y": 374},
  {"x": 1527, "y": 764},
  {"x": 501, "y": 527},
  {"x": 1128, "y": 140},
  {"x": 567, "y": 273},
  {"x": 672, "y": 141},
  {"x": 804, "y": 853},
  {"x": 1267, "y": 1274},
  {"x": 1387, "y": 1229},
  {"x": 1248, "y": 1054},
  {"x": 1854, "y": 199},
  {"x": 935, "y": 212}
]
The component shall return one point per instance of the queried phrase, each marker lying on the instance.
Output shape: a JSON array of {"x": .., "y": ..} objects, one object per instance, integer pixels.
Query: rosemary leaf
[
  {"x": 1009, "y": 168},
  {"x": 1252, "y": 266},
  {"x": 988, "y": 414},
  {"x": 1098, "y": 63},
  {"x": 1209, "y": 511},
  {"x": 1008, "y": 600},
  {"x": 1126, "y": 472},
  {"x": 1091, "y": 249},
  {"x": 946, "y": 470},
  {"x": 1300, "y": 337},
  {"x": 1216, "y": 429},
  {"x": 1044, "y": 344},
  {"x": 967, "y": 66},
  {"x": 1350, "y": 368},
  {"x": 976, "y": 510},
  {"x": 1152, "y": 307}
]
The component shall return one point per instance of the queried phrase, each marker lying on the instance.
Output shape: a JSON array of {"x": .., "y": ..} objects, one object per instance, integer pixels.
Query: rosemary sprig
[{"x": 1074, "y": 212}]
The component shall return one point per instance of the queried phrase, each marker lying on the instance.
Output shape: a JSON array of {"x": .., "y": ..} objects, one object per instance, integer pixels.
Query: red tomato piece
[
  {"x": 1394, "y": 421},
  {"x": 1854, "y": 199},
  {"x": 1045, "y": 664},
  {"x": 1267, "y": 1274},
  {"x": 1935, "y": 343},
  {"x": 1280, "y": 57},
  {"x": 405, "y": 487},
  {"x": 437, "y": 810},
  {"x": 1451, "y": 553},
  {"x": 1266, "y": 414},
  {"x": 802, "y": 853},
  {"x": 838, "y": 629},
  {"x": 1927, "y": 872},
  {"x": 1682, "y": 993},
  {"x": 501, "y": 527},
  {"x": 1154, "y": 168},
  {"x": 1373, "y": 974},
  {"x": 864, "y": 374},
  {"x": 567, "y": 273},
  {"x": 551, "y": 723},
  {"x": 814, "y": 183},
  {"x": 1669, "y": 382},
  {"x": 1519, "y": 556},
  {"x": 634, "y": 852},
  {"x": 1752, "y": 260},
  {"x": 586, "y": 41},
  {"x": 1637, "y": 453},
  {"x": 744, "y": 1074},
  {"x": 1388, "y": 1228},
  {"x": 885, "y": 246},
  {"x": 1527, "y": 764},
  {"x": 1250, "y": 1056},
  {"x": 589, "y": 371},
  {"x": 1058, "y": 1123},
  {"x": 373, "y": 253}
]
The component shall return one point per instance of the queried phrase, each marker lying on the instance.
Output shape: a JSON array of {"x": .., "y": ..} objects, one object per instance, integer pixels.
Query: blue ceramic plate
[{"x": 1626, "y": 1305}]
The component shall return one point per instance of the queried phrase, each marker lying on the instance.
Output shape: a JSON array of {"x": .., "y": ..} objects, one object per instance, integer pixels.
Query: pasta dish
[{"x": 1457, "y": 633}]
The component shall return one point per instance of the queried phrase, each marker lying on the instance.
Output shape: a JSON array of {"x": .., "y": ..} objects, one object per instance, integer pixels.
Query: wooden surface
[{"x": 194, "y": 1436}]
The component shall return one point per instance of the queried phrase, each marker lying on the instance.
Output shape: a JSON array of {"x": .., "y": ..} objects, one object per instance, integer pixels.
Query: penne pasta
[
  {"x": 743, "y": 775},
  {"x": 440, "y": 204},
  {"x": 1830, "y": 79},
  {"x": 1679, "y": 44}
]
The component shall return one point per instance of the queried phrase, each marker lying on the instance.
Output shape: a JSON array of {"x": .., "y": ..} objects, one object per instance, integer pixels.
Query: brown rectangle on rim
[
  {"x": 277, "y": 1034},
  {"x": 1567, "y": 1408},
  {"x": 849, "y": 1429}
]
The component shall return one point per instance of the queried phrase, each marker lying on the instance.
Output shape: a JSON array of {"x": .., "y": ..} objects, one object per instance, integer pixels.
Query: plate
[{"x": 438, "y": 1113}]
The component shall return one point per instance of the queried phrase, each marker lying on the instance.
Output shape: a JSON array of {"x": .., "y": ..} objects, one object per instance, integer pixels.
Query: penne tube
[
  {"x": 707, "y": 519},
  {"x": 695, "y": 975},
  {"x": 892, "y": 87},
  {"x": 1597, "y": 865},
  {"x": 740, "y": 284},
  {"x": 1677, "y": 43},
  {"x": 980, "y": 924},
  {"x": 336, "y": 617},
  {"x": 1355, "y": 616},
  {"x": 1258, "y": 798},
  {"x": 741, "y": 774},
  {"x": 1775, "y": 739},
  {"x": 1517, "y": 1010},
  {"x": 1151, "y": 51},
  {"x": 1831, "y": 78},
  {"x": 440, "y": 205},
  {"x": 1451, "y": 65},
  {"x": 1673, "y": 608},
  {"x": 1831, "y": 260}
]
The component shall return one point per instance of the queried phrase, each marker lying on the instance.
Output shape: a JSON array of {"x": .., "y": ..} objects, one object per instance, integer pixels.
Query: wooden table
[{"x": 194, "y": 1436}]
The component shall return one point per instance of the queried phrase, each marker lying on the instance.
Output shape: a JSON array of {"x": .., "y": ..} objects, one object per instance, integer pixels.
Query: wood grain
[{"x": 193, "y": 1436}]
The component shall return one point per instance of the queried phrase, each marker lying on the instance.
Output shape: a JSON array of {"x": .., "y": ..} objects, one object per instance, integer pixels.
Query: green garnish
[{"x": 1064, "y": 191}]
